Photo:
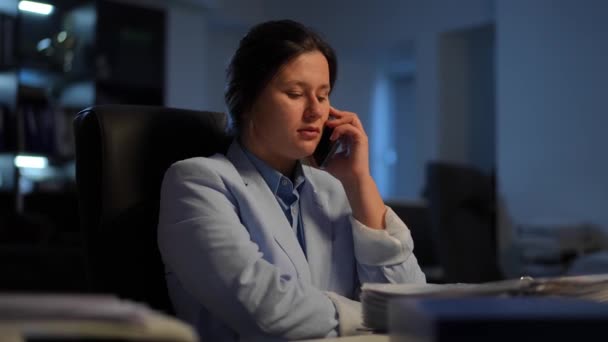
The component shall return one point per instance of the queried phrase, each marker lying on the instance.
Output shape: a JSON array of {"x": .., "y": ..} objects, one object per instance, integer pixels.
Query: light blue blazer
[{"x": 235, "y": 269}]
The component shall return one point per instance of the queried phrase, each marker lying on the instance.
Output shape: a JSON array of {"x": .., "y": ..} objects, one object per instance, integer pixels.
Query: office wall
[
  {"x": 202, "y": 35},
  {"x": 186, "y": 57},
  {"x": 551, "y": 111},
  {"x": 8, "y": 6},
  {"x": 223, "y": 43}
]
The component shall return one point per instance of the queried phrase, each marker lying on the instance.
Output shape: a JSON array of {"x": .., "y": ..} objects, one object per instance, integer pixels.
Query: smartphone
[{"x": 326, "y": 148}]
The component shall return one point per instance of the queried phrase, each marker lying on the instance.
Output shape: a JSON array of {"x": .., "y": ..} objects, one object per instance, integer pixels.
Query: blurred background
[{"x": 486, "y": 118}]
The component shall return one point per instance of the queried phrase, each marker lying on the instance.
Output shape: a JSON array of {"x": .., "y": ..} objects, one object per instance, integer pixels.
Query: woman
[{"x": 256, "y": 243}]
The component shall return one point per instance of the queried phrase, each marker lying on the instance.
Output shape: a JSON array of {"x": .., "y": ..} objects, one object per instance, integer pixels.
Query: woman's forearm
[{"x": 366, "y": 202}]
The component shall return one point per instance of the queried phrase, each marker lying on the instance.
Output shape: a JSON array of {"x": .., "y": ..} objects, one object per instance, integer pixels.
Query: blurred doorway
[{"x": 467, "y": 97}]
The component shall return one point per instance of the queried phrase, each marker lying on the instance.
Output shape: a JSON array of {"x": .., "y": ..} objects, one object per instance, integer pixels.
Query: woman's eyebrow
[{"x": 305, "y": 85}]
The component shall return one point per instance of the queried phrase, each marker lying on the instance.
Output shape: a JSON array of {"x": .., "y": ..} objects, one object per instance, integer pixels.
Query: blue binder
[{"x": 497, "y": 319}]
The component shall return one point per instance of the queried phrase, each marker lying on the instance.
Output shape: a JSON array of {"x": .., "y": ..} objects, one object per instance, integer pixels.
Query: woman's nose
[{"x": 314, "y": 108}]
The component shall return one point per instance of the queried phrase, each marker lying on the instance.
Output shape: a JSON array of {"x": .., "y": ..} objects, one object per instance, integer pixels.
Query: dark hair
[{"x": 260, "y": 55}]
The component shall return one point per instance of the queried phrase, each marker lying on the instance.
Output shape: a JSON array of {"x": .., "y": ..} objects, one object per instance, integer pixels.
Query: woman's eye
[
  {"x": 321, "y": 98},
  {"x": 294, "y": 95}
]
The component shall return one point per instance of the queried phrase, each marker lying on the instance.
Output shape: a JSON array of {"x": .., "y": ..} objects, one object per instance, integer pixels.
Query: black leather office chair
[
  {"x": 462, "y": 205},
  {"x": 122, "y": 153}
]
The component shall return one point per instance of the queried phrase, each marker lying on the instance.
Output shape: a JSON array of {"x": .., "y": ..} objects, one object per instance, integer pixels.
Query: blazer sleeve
[
  {"x": 203, "y": 242},
  {"x": 386, "y": 256}
]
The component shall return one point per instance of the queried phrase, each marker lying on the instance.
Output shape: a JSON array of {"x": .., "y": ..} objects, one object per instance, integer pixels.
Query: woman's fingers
[
  {"x": 347, "y": 130},
  {"x": 343, "y": 117}
]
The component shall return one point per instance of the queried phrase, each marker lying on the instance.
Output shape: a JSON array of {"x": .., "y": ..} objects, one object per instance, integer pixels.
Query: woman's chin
[{"x": 307, "y": 150}]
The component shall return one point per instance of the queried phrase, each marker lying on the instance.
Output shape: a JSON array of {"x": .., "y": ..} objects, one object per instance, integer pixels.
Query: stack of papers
[
  {"x": 64, "y": 316},
  {"x": 375, "y": 298},
  {"x": 592, "y": 287}
]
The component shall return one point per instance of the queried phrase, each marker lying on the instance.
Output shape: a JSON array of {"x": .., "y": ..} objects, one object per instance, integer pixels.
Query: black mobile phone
[{"x": 326, "y": 148}]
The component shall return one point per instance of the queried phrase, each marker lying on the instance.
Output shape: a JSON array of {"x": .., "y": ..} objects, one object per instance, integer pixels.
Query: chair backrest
[
  {"x": 462, "y": 204},
  {"x": 122, "y": 153},
  {"x": 417, "y": 216}
]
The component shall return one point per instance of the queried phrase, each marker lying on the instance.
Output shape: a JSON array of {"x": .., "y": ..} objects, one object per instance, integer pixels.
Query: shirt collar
[{"x": 273, "y": 177}]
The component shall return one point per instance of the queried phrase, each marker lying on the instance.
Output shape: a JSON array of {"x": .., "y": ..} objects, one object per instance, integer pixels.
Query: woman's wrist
[{"x": 365, "y": 201}]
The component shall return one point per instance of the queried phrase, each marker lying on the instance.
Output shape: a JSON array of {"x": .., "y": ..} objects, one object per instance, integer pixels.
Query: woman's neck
[{"x": 284, "y": 165}]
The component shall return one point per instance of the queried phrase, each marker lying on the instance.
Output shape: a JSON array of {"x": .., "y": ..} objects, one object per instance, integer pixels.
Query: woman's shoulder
[{"x": 216, "y": 164}]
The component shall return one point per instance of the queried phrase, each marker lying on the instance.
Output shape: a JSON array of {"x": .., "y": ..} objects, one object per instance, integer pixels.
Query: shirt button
[{"x": 284, "y": 182}]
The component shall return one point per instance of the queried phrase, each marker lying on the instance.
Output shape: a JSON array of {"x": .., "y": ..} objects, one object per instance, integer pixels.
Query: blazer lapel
[
  {"x": 269, "y": 210},
  {"x": 318, "y": 233}
]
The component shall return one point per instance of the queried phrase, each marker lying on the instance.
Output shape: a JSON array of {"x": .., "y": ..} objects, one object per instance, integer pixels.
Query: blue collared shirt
[{"x": 285, "y": 191}]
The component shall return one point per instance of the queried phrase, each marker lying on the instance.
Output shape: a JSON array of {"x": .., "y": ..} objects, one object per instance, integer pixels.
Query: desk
[{"x": 359, "y": 338}]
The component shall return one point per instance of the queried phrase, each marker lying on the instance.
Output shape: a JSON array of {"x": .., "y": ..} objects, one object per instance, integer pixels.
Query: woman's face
[{"x": 286, "y": 120}]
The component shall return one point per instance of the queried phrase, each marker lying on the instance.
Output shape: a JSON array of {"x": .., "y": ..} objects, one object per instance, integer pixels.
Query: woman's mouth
[{"x": 309, "y": 133}]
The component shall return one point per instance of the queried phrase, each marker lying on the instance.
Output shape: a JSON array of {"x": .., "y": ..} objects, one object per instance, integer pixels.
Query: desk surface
[{"x": 360, "y": 338}]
